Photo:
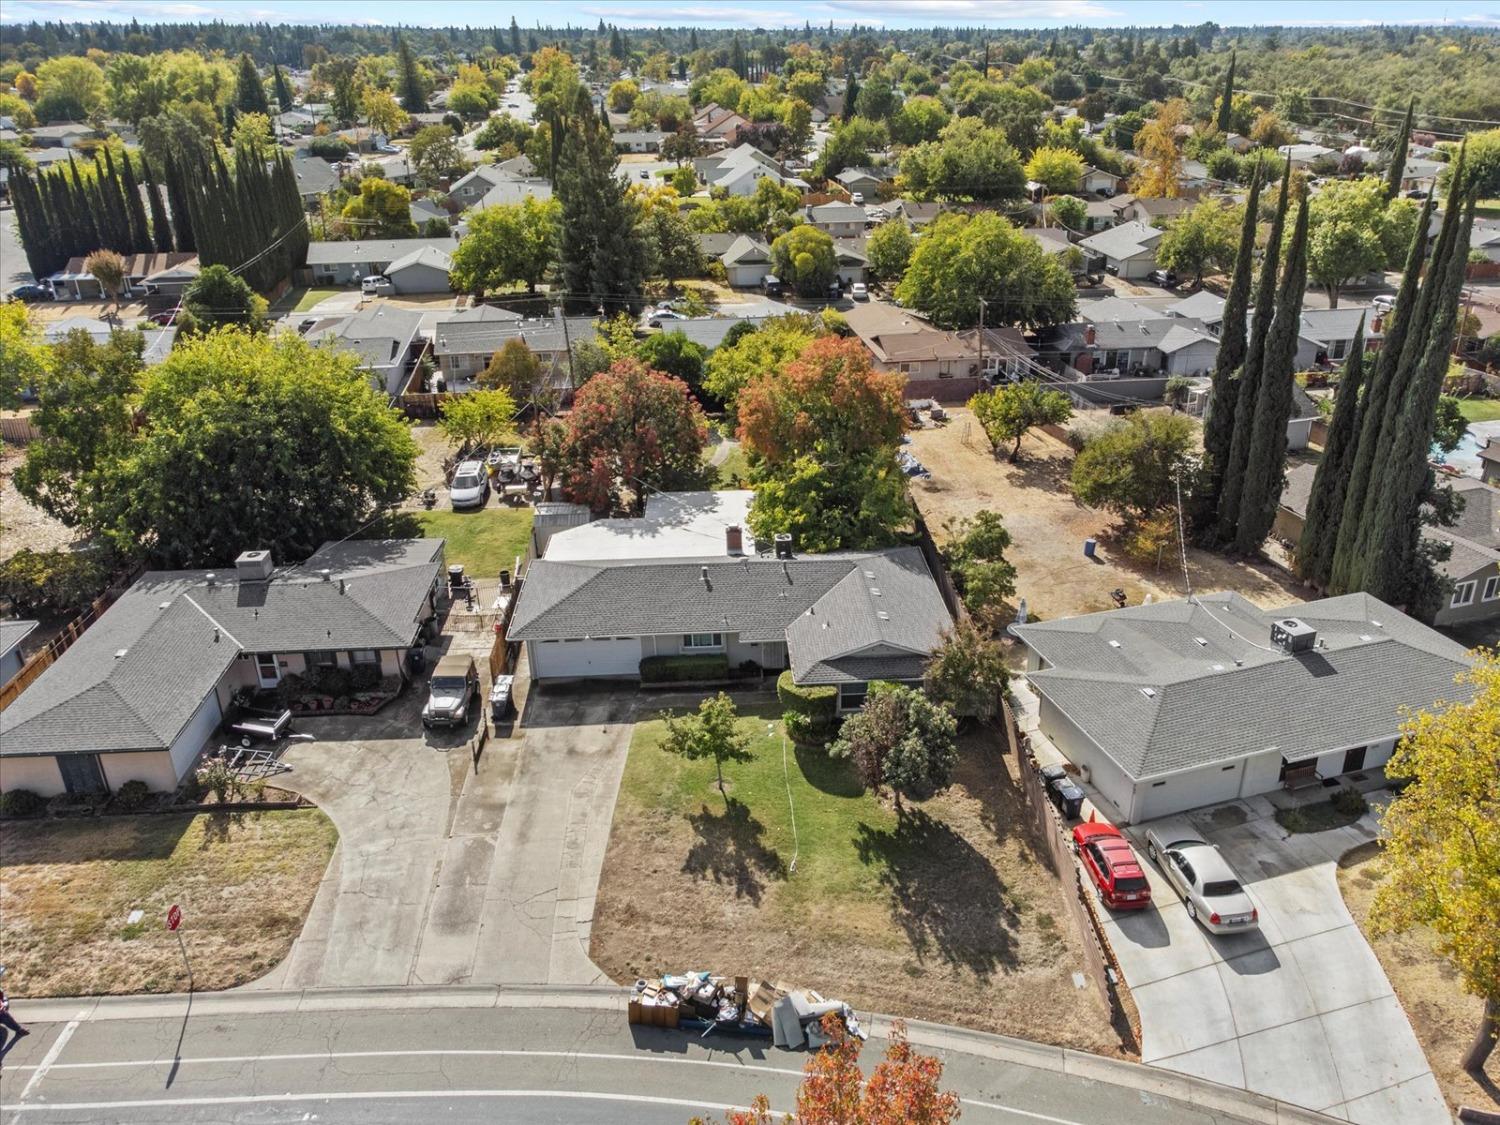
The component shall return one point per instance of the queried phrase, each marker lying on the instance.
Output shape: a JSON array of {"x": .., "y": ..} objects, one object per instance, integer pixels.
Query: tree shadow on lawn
[
  {"x": 984, "y": 774},
  {"x": 731, "y": 851},
  {"x": 85, "y": 840},
  {"x": 834, "y": 776},
  {"x": 945, "y": 895}
]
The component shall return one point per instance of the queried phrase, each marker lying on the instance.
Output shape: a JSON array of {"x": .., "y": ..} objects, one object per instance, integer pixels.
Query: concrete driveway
[
  {"x": 448, "y": 872},
  {"x": 1301, "y": 1011}
]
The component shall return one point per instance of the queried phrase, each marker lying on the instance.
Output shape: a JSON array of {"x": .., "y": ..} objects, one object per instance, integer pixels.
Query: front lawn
[
  {"x": 484, "y": 541},
  {"x": 947, "y": 913},
  {"x": 1479, "y": 409},
  {"x": 245, "y": 882}
]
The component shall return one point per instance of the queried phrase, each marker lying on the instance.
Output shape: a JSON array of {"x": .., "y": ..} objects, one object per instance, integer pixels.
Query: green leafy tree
[
  {"x": 250, "y": 91},
  {"x": 901, "y": 740},
  {"x": 602, "y": 248},
  {"x": 975, "y": 556},
  {"x": 674, "y": 354},
  {"x": 713, "y": 732},
  {"x": 281, "y": 89},
  {"x": 632, "y": 430},
  {"x": 218, "y": 297},
  {"x": 1007, "y": 413},
  {"x": 479, "y": 418},
  {"x": 252, "y": 132},
  {"x": 889, "y": 248},
  {"x": 919, "y": 119},
  {"x": 741, "y": 357},
  {"x": 961, "y": 258},
  {"x": 1069, "y": 212},
  {"x": 70, "y": 88},
  {"x": 1058, "y": 169},
  {"x": 969, "y": 160},
  {"x": 302, "y": 446},
  {"x": 1134, "y": 466},
  {"x": 514, "y": 369},
  {"x": 434, "y": 153},
  {"x": 675, "y": 251},
  {"x": 857, "y": 503},
  {"x": 25, "y": 357},
  {"x": 511, "y": 243},
  {"x": 382, "y": 209},
  {"x": 381, "y": 111},
  {"x": 83, "y": 418},
  {"x": 1347, "y": 220},
  {"x": 1205, "y": 238},
  {"x": 1451, "y": 425},
  {"x": 967, "y": 672},
  {"x": 804, "y": 257},
  {"x": 108, "y": 269},
  {"x": 849, "y": 145}
]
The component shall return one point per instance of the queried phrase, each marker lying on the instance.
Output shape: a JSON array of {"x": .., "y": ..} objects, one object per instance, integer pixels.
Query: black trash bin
[{"x": 1067, "y": 797}]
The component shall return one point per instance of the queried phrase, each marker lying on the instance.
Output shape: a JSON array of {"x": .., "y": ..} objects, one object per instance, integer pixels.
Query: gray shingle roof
[
  {"x": 372, "y": 250},
  {"x": 1235, "y": 694},
  {"x": 13, "y": 633},
  {"x": 709, "y": 331},
  {"x": 1124, "y": 241},
  {"x": 463, "y": 335},
  {"x": 134, "y": 679}
]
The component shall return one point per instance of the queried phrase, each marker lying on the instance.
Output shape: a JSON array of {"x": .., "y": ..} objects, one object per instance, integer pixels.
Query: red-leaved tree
[
  {"x": 632, "y": 431},
  {"x": 827, "y": 401},
  {"x": 902, "y": 1090}
]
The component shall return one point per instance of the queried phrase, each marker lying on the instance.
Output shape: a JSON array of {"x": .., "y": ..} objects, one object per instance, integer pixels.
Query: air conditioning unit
[{"x": 1293, "y": 635}]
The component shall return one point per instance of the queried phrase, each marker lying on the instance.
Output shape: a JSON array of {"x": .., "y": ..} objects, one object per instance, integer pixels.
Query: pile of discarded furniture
[{"x": 705, "y": 1002}]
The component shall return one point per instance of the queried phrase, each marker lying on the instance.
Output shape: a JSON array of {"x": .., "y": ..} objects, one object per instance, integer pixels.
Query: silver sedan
[{"x": 1195, "y": 869}]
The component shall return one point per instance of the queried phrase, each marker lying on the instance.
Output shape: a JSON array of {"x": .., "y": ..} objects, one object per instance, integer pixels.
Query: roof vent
[
  {"x": 1201, "y": 641},
  {"x": 1293, "y": 635},
  {"x": 1113, "y": 644},
  {"x": 703, "y": 574},
  {"x": 883, "y": 615},
  {"x": 1218, "y": 667},
  {"x": 164, "y": 605},
  {"x": 343, "y": 586},
  {"x": 325, "y": 574},
  {"x": 875, "y": 591},
  {"x": 120, "y": 653},
  {"x": 734, "y": 540},
  {"x": 869, "y": 574},
  {"x": 211, "y": 578},
  {"x": 1149, "y": 692}
]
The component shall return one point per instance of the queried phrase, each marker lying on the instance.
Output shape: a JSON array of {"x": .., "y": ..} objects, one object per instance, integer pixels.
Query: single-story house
[
  {"x": 712, "y": 244},
  {"x": 841, "y": 620},
  {"x": 1000, "y": 352},
  {"x": 746, "y": 262},
  {"x": 1148, "y": 209},
  {"x": 1489, "y": 461},
  {"x": 1054, "y": 240},
  {"x": 1238, "y": 144},
  {"x": 1099, "y": 214},
  {"x": 345, "y": 263},
  {"x": 425, "y": 210},
  {"x": 162, "y": 275},
  {"x": 917, "y": 212},
  {"x": 716, "y": 125},
  {"x": 146, "y": 688},
  {"x": 423, "y": 270},
  {"x": 853, "y": 262},
  {"x": 708, "y": 332},
  {"x": 315, "y": 177},
  {"x": 1176, "y": 705},
  {"x": 1099, "y": 182},
  {"x": 469, "y": 189},
  {"x": 1420, "y": 174},
  {"x": 1127, "y": 250},
  {"x": 1473, "y": 564},
  {"x": 385, "y": 339},
  {"x": 903, "y": 343},
  {"x": 645, "y": 141},
  {"x": 464, "y": 343},
  {"x": 13, "y": 636},
  {"x": 1485, "y": 239},
  {"x": 64, "y": 133},
  {"x": 513, "y": 189},
  {"x": 738, "y": 170},
  {"x": 866, "y": 181},
  {"x": 296, "y": 121},
  {"x": 1304, "y": 154},
  {"x": 1168, "y": 345},
  {"x": 158, "y": 341},
  {"x": 841, "y": 220},
  {"x": 1325, "y": 336},
  {"x": 1203, "y": 306}
]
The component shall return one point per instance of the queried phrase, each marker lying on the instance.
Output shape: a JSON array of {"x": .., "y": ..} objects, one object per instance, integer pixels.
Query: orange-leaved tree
[{"x": 902, "y": 1090}]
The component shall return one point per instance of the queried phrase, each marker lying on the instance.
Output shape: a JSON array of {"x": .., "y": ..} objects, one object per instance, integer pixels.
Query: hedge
[
  {"x": 684, "y": 669},
  {"x": 818, "y": 704}
]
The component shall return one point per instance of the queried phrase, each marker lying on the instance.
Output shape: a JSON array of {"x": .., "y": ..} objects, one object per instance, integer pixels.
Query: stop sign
[{"x": 174, "y": 917}]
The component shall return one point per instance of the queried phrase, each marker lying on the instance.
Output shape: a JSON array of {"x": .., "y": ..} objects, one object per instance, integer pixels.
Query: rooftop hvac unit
[
  {"x": 1293, "y": 635},
  {"x": 783, "y": 545}
]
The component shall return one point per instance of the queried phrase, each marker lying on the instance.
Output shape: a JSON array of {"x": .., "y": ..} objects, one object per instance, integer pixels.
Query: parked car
[
  {"x": 451, "y": 692},
  {"x": 29, "y": 293},
  {"x": 1165, "y": 278},
  {"x": 857, "y": 197},
  {"x": 1383, "y": 303},
  {"x": 859, "y": 291},
  {"x": 1110, "y": 863},
  {"x": 1063, "y": 791},
  {"x": 163, "y": 319},
  {"x": 656, "y": 317},
  {"x": 375, "y": 283},
  {"x": 771, "y": 285},
  {"x": 1208, "y": 885},
  {"x": 470, "y": 487}
]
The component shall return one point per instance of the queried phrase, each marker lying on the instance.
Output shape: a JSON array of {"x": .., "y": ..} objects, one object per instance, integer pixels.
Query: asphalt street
[
  {"x": 13, "y": 268},
  {"x": 483, "y": 1055}
]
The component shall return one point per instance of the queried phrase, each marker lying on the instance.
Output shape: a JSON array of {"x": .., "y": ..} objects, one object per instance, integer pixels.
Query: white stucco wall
[
  {"x": 154, "y": 767},
  {"x": 40, "y": 775}
]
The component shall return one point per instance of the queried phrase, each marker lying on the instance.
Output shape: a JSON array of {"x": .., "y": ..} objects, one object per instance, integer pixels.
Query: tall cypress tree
[
  {"x": 116, "y": 219},
  {"x": 409, "y": 81},
  {"x": 515, "y": 39},
  {"x": 601, "y": 250},
  {"x": 140, "y": 227},
  {"x": 1249, "y": 380},
  {"x": 1325, "y": 504},
  {"x": 1372, "y": 410},
  {"x": 178, "y": 194},
  {"x": 161, "y": 227},
  {"x": 1226, "y": 99},
  {"x": 1397, "y": 170},
  {"x": 1264, "y": 467},
  {"x": 282, "y": 88},
  {"x": 249, "y": 91},
  {"x": 1218, "y": 428}
]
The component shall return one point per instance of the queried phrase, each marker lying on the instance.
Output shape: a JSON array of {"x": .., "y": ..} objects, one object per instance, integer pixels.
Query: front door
[
  {"x": 81, "y": 773},
  {"x": 267, "y": 671},
  {"x": 1354, "y": 759}
]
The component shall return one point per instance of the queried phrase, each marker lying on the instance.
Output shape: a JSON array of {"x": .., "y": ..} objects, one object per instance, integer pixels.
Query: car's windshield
[
  {"x": 1221, "y": 888},
  {"x": 447, "y": 683},
  {"x": 1131, "y": 883},
  {"x": 466, "y": 482}
]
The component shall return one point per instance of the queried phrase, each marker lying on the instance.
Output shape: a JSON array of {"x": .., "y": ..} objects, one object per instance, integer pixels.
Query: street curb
[{"x": 1147, "y": 1080}]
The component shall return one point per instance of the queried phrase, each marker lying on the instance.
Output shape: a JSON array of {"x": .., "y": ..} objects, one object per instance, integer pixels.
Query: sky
[{"x": 776, "y": 13}]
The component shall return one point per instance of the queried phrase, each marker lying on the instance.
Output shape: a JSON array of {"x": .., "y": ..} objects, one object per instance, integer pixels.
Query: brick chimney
[
  {"x": 1089, "y": 335},
  {"x": 1377, "y": 324},
  {"x": 734, "y": 540}
]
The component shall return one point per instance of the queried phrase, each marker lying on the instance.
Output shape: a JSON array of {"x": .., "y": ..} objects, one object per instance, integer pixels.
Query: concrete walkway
[
  {"x": 448, "y": 872},
  {"x": 1301, "y": 1011}
]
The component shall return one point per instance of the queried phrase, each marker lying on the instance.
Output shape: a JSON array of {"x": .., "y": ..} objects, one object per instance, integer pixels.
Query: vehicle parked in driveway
[
  {"x": 470, "y": 487},
  {"x": 451, "y": 692},
  {"x": 30, "y": 293},
  {"x": 1383, "y": 302},
  {"x": 1112, "y": 867},
  {"x": 859, "y": 291},
  {"x": 375, "y": 284},
  {"x": 1208, "y": 885},
  {"x": 1164, "y": 278},
  {"x": 655, "y": 318}
]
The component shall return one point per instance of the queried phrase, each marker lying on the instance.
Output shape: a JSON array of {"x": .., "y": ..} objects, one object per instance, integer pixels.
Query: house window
[
  {"x": 852, "y": 696},
  {"x": 1339, "y": 346},
  {"x": 1491, "y": 588},
  {"x": 364, "y": 656},
  {"x": 1463, "y": 594},
  {"x": 904, "y": 368},
  {"x": 320, "y": 660},
  {"x": 702, "y": 641}
]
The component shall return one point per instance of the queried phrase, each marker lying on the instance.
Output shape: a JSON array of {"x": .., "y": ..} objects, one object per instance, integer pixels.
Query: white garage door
[{"x": 604, "y": 657}]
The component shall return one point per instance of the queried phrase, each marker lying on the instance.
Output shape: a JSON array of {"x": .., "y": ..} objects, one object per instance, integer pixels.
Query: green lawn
[
  {"x": 735, "y": 471},
  {"x": 1480, "y": 409},
  {"x": 300, "y": 300},
  {"x": 485, "y": 541},
  {"x": 1488, "y": 209}
]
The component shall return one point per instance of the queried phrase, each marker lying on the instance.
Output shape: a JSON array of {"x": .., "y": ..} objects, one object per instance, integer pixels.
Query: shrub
[
  {"x": 329, "y": 148},
  {"x": 683, "y": 669},
  {"x": 816, "y": 708},
  {"x": 1350, "y": 802},
  {"x": 21, "y": 802},
  {"x": 331, "y": 681},
  {"x": 132, "y": 795},
  {"x": 364, "y": 677}
]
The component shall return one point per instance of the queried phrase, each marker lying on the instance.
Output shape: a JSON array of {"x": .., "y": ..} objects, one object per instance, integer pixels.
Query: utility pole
[{"x": 981, "y": 337}]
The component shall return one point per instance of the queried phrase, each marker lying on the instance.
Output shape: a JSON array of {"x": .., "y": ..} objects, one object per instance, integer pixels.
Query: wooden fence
[
  {"x": 1048, "y": 827},
  {"x": 44, "y": 658},
  {"x": 18, "y": 429},
  {"x": 934, "y": 560},
  {"x": 500, "y": 651}
]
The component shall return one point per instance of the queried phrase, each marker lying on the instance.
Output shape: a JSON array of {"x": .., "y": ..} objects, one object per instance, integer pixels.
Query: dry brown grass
[
  {"x": 1442, "y": 1014},
  {"x": 1048, "y": 527},
  {"x": 949, "y": 914},
  {"x": 245, "y": 883}
]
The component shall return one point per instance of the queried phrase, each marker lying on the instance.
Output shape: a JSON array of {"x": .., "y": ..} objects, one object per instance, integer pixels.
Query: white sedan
[{"x": 1208, "y": 886}]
